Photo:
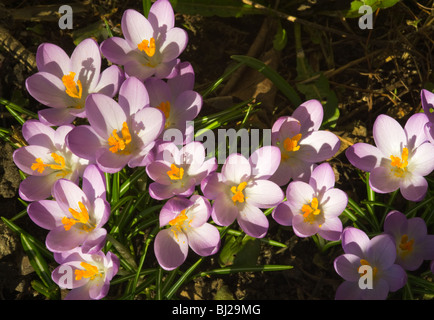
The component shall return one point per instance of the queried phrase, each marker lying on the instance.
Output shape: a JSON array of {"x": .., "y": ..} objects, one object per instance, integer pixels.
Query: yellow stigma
[
  {"x": 179, "y": 223},
  {"x": 238, "y": 192},
  {"x": 165, "y": 108},
  {"x": 90, "y": 271},
  {"x": 117, "y": 143},
  {"x": 400, "y": 164},
  {"x": 81, "y": 216},
  {"x": 73, "y": 89},
  {"x": 147, "y": 46},
  {"x": 406, "y": 245},
  {"x": 310, "y": 211},
  {"x": 175, "y": 173},
  {"x": 364, "y": 262},
  {"x": 40, "y": 166},
  {"x": 291, "y": 145}
]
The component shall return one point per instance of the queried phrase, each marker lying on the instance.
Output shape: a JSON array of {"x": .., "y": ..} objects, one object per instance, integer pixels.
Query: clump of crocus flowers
[{"x": 125, "y": 111}]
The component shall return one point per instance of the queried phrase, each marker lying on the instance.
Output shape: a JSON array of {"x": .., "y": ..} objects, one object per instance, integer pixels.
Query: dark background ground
[{"x": 371, "y": 72}]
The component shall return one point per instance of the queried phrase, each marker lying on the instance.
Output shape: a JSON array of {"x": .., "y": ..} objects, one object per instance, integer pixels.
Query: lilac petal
[
  {"x": 174, "y": 43},
  {"x": 414, "y": 187},
  {"x": 187, "y": 106},
  {"x": 334, "y": 202},
  {"x": 422, "y": 161},
  {"x": 135, "y": 27},
  {"x": 204, "y": 240},
  {"x": 104, "y": 114},
  {"x": 134, "y": 68},
  {"x": 310, "y": 114},
  {"x": 284, "y": 127},
  {"x": 100, "y": 212},
  {"x": 161, "y": 15},
  {"x": 48, "y": 89},
  {"x": 24, "y": 157},
  {"x": 381, "y": 251},
  {"x": 159, "y": 91},
  {"x": 150, "y": 124},
  {"x": 170, "y": 250},
  {"x": 59, "y": 239},
  {"x": 302, "y": 228},
  {"x": 253, "y": 221},
  {"x": 95, "y": 241},
  {"x": 283, "y": 174},
  {"x": 133, "y": 95},
  {"x": 348, "y": 290},
  {"x": 56, "y": 117},
  {"x": 86, "y": 62},
  {"x": 116, "y": 50},
  {"x": 395, "y": 223},
  {"x": 45, "y": 213},
  {"x": 99, "y": 288},
  {"x": 416, "y": 227},
  {"x": 354, "y": 241},
  {"x": 37, "y": 133},
  {"x": 83, "y": 141},
  {"x": 194, "y": 155},
  {"x": 429, "y": 132},
  {"x": 212, "y": 186},
  {"x": 299, "y": 193},
  {"x": 322, "y": 177},
  {"x": 111, "y": 162},
  {"x": 236, "y": 168},
  {"x": 265, "y": 161},
  {"x": 364, "y": 156},
  {"x": 60, "y": 135},
  {"x": 160, "y": 191},
  {"x": 347, "y": 266},
  {"x": 318, "y": 146},
  {"x": 396, "y": 277},
  {"x": 110, "y": 81},
  {"x": 157, "y": 171},
  {"x": 381, "y": 180},
  {"x": 379, "y": 291},
  {"x": 60, "y": 273},
  {"x": 389, "y": 136},
  {"x": 172, "y": 208},
  {"x": 68, "y": 195},
  {"x": 200, "y": 211},
  {"x": 263, "y": 194},
  {"x": 184, "y": 81},
  {"x": 35, "y": 188},
  {"x": 427, "y": 98},
  {"x": 52, "y": 59},
  {"x": 224, "y": 212},
  {"x": 331, "y": 229},
  {"x": 94, "y": 182},
  {"x": 414, "y": 129},
  {"x": 283, "y": 214}
]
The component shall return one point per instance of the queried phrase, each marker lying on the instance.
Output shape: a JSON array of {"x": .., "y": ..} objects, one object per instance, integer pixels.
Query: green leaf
[
  {"x": 239, "y": 251},
  {"x": 280, "y": 39},
  {"x": 353, "y": 12}
]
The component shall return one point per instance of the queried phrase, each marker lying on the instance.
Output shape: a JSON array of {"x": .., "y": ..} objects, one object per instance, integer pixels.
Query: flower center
[
  {"x": 364, "y": 262},
  {"x": 175, "y": 173},
  {"x": 310, "y": 212},
  {"x": 117, "y": 143},
  {"x": 79, "y": 216},
  {"x": 40, "y": 166},
  {"x": 406, "y": 245},
  {"x": 400, "y": 164},
  {"x": 73, "y": 89},
  {"x": 147, "y": 46},
  {"x": 181, "y": 221},
  {"x": 238, "y": 192},
  {"x": 291, "y": 145},
  {"x": 90, "y": 271},
  {"x": 165, "y": 108}
]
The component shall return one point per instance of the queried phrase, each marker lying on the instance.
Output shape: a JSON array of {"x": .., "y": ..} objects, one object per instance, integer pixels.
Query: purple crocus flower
[
  {"x": 151, "y": 46},
  {"x": 400, "y": 159},
  {"x": 88, "y": 275},
  {"x": 428, "y": 108},
  {"x": 176, "y": 98},
  {"x": 119, "y": 133},
  {"x": 242, "y": 188},
  {"x": 313, "y": 207},
  {"x": 188, "y": 227},
  {"x": 45, "y": 160},
  {"x": 379, "y": 253},
  {"x": 64, "y": 83},
  {"x": 177, "y": 171},
  {"x": 301, "y": 143},
  {"x": 77, "y": 216},
  {"x": 413, "y": 244}
]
